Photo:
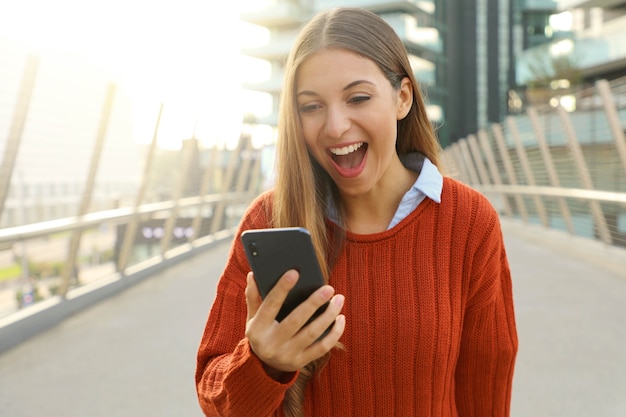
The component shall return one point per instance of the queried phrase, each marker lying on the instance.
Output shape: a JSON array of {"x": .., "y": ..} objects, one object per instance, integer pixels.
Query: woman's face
[{"x": 349, "y": 113}]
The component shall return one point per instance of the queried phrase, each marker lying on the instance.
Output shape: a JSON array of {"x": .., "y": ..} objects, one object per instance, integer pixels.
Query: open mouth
[{"x": 350, "y": 156}]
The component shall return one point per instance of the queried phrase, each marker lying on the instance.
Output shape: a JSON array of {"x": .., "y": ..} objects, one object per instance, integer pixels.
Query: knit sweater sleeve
[
  {"x": 230, "y": 379},
  {"x": 488, "y": 348}
]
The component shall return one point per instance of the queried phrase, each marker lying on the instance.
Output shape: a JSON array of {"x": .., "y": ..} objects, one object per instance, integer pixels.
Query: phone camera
[{"x": 253, "y": 249}]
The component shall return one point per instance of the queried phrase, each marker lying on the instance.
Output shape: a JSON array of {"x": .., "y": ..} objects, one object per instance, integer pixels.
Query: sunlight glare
[
  {"x": 183, "y": 54},
  {"x": 562, "y": 22}
]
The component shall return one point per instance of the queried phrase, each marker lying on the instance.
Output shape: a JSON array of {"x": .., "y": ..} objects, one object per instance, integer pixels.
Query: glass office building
[
  {"x": 583, "y": 41},
  {"x": 462, "y": 51},
  {"x": 414, "y": 21},
  {"x": 480, "y": 38}
]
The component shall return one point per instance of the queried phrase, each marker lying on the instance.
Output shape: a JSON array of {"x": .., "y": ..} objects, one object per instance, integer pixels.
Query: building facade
[
  {"x": 480, "y": 38},
  {"x": 478, "y": 60},
  {"x": 414, "y": 22},
  {"x": 462, "y": 52},
  {"x": 585, "y": 43}
]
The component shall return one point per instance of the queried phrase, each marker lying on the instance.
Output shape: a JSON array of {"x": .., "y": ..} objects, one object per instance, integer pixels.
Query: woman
[{"x": 419, "y": 285}]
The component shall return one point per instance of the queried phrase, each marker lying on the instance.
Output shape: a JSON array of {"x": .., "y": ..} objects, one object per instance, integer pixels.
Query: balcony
[
  {"x": 539, "y": 5},
  {"x": 590, "y": 53},
  {"x": 278, "y": 14},
  {"x": 423, "y": 41},
  {"x": 379, "y": 6},
  {"x": 277, "y": 48},
  {"x": 273, "y": 85},
  {"x": 573, "y": 4},
  {"x": 423, "y": 70}
]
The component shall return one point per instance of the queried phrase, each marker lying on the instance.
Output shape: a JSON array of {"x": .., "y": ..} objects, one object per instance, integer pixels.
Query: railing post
[
  {"x": 583, "y": 172},
  {"x": 170, "y": 223},
  {"x": 196, "y": 225},
  {"x": 255, "y": 179},
  {"x": 530, "y": 177},
  {"x": 493, "y": 168},
  {"x": 24, "y": 97},
  {"x": 613, "y": 118},
  {"x": 131, "y": 227},
  {"x": 508, "y": 167},
  {"x": 220, "y": 208},
  {"x": 448, "y": 162},
  {"x": 71, "y": 270},
  {"x": 244, "y": 170},
  {"x": 469, "y": 164},
  {"x": 478, "y": 160},
  {"x": 540, "y": 137},
  {"x": 459, "y": 161}
]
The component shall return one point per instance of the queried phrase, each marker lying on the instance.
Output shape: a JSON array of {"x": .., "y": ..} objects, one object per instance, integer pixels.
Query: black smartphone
[{"x": 272, "y": 252}]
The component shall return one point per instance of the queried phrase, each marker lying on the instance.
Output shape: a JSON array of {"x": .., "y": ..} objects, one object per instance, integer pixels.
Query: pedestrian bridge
[
  {"x": 133, "y": 354},
  {"x": 106, "y": 305}
]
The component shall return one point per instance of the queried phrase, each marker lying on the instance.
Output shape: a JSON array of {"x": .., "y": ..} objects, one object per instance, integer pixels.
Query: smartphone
[{"x": 272, "y": 252}]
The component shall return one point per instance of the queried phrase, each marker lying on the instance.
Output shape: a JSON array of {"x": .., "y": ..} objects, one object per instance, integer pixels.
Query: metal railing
[
  {"x": 138, "y": 239},
  {"x": 561, "y": 169},
  {"x": 173, "y": 204}
]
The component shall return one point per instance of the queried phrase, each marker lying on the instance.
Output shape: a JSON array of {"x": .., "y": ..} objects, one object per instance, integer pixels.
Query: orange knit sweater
[{"x": 430, "y": 328}]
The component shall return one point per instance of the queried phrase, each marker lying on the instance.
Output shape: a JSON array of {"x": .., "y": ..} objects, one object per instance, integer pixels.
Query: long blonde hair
[{"x": 302, "y": 187}]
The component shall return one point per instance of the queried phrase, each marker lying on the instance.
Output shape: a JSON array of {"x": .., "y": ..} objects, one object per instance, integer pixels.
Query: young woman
[{"x": 418, "y": 279}]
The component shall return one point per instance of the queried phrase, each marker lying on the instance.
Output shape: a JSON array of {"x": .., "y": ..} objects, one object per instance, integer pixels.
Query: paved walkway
[
  {"x": 571, "y": 318},
  {"x": 133, "y": 355}
]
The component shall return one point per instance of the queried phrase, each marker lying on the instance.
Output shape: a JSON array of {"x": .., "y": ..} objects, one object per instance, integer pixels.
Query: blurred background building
[
  {"x": 568, "y": 47},
  {"x": 415, "y": 22},
  {"x": 478, "y": 60}
]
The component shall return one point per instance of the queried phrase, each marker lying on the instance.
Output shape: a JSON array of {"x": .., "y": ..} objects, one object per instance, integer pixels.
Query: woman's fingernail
[
  {"x": 291, "y": 277},
  {"x": 327, "y": 291},
  {"x": 338, "y": 300}
]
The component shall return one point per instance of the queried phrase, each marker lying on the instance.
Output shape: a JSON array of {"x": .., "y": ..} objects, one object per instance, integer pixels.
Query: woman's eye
[
  {"x": 307, "y": 108},
  {"x": 359, "y": 99}
]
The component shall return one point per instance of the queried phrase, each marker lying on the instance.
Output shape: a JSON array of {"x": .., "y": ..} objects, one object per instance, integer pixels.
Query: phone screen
[{"x": 272, "y": 252}]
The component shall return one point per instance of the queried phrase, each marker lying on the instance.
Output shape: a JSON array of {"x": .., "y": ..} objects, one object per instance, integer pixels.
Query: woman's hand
[{"x": 286, "y": 346}]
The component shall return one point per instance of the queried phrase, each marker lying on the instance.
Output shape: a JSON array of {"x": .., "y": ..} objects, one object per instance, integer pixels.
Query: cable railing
[
  {"x": 85, "y": 210},
  {"x": 560, "y": 169},
  {"x": 67, "y": 263}
]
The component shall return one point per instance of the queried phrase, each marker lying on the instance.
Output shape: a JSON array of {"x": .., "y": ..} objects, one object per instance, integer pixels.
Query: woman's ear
[{"x": 405, "y": 98}]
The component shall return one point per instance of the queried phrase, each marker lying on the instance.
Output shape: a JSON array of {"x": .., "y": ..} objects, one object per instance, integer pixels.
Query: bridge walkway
[{"x": 134, "y": 354}]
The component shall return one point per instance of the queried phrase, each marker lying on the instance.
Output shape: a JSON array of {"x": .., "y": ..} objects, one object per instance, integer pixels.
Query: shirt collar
[{"x": 430, "y": 181}]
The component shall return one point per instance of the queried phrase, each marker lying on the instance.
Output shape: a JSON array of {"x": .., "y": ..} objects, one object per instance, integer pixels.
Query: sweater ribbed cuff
[{"x": 250, "y": 380}]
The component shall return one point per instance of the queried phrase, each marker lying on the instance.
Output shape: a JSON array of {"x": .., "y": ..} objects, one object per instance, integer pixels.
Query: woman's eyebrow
[
  {"x": 347, "y": 87},
  {"x": 355, "y": 83},
  {"x": 306, "y": 93}
]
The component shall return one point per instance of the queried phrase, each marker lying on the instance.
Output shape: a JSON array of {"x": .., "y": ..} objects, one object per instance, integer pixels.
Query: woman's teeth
[{"x": 346, "y": 149}]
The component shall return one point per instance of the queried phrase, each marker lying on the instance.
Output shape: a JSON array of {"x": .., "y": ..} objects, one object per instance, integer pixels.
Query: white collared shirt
[{"x": 429, "y": 183}]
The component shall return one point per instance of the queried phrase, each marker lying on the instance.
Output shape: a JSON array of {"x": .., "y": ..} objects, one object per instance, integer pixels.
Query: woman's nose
[{"x": 337, "y": 122}]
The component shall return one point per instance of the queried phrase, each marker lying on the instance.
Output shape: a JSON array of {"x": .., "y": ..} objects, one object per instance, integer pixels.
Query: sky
[{"x": 184, "y": 54}]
